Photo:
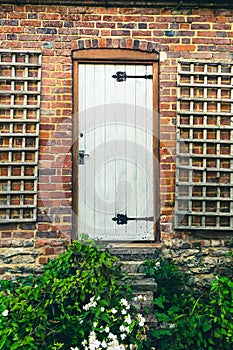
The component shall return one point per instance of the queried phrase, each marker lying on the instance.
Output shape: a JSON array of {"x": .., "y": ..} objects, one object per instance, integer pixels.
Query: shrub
[
  {"x": 186, "y": 319},
  {"x": 82, "y": 300}
]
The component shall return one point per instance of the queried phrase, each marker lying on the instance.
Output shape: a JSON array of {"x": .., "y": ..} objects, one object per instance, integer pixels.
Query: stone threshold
[{"x": 133, "y": 245}]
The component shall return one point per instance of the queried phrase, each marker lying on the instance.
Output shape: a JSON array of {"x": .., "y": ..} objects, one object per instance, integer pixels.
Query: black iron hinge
[
  {"x": 122, "y": 76},
  {"x": 122, "y": 219}
]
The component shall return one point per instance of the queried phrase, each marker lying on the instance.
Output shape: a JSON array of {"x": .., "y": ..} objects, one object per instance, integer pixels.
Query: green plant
[
  {"x": 82, "y": 294},
  {"x": 187, "y": 319},
  {"x": 170, "y": 296}
]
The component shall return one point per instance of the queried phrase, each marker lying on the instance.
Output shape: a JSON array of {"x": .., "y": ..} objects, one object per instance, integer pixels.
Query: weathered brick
[
  {"x": 200, "y": 26},
  {"x": 5, "y": 234},
  {"x": 92, "y": 18},
  {"x": 68, "y": 24},
  {"x": 105, "y": 25},
  {"x": 46, "y": 30},
  {"x": 30, "y": 23},
  {"x": 188, "y": 33},
  {"x": 32, "y": 15},
  {"x": 93, "y": 32},
  {"x": 52, "y": 24},
  {"x": 11, "y": 36},
  {"x": 141, "y": 33},
  {"x": 12, "y": 22},
  {"x": 120, "y": 32},
  {"x": 49, "y": 251},
  {"x": 46, "y": 234},
  {"x": 43, "y": 260}
]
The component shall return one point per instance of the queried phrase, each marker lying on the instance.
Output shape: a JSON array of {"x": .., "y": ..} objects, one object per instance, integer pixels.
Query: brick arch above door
[{"x": 114, "y": 43}]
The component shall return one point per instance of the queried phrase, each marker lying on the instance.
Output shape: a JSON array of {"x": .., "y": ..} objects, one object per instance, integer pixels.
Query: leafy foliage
[
  {"x": 188, "y": 319},
  {"x": 80, "y": 292}
]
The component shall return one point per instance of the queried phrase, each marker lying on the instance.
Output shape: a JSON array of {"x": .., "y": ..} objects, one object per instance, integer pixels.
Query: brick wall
[{"x": 56, "y": 31}]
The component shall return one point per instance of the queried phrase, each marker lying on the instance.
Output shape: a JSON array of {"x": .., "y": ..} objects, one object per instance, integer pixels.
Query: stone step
[
  {"x": 143, "y": 284},
  {"x": 132, "y": 260},
  {"x": 151, "y": 321},
  {"x": 144, "y": 301},
  {"x": 133, "y": 266},
  {"x": 134, "y": 254}
]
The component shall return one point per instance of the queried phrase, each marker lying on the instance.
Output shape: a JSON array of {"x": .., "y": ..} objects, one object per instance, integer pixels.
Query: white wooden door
[{"x": 116, "y": 137}]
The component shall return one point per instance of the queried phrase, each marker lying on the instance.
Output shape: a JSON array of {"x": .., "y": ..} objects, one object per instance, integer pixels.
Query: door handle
[{"x": 81, "y": 156}]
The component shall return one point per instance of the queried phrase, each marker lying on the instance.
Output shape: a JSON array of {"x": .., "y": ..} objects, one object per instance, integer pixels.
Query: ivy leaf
[{"x": 206, "y": 327}]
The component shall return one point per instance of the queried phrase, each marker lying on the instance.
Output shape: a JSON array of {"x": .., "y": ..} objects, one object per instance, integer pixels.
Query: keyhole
[{"x": 81, "y": 134}]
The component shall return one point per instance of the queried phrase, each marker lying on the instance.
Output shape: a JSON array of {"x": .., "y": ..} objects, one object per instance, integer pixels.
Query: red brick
[
  {"x": 11, "y": 29},
  {"x": 105, "y": 25},
  {"x": 222, "y": 41},
  {"x": 17, "y": 15},
  {"x": 92, "y": 18},
  {"x": 5, "y": 234},
  {"x": 49, "y": 251},
  {"x": 143, "y": 33},
  {"x": 50, "y": 16},
  {"x": 23, "y": 234},
  {"x": 43, "y": 260},
  {"x": 182, "y": 47},
  {"x": 30, "y": 23}
]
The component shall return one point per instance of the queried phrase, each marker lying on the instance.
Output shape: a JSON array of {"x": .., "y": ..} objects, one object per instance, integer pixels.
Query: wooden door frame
[{"x": 116, "y": 56}]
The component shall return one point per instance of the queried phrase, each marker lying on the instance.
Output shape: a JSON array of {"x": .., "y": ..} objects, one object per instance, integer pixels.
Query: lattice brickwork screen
[
  {"x": 20, "y": 79},
  {"x": 204, "y": 176}
]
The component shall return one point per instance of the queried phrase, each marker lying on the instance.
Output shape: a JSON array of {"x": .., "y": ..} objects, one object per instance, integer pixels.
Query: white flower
[
  {"x": 86, "y": 307},
  {"x": 92, "y": 303},
  {"x": 94, "y": 343},
  {"x": 107, "y": 329},
  {"x": 124, "y": 312},
  {"x": 102, "y": 309},
  {"x": 114, "y": 311},
  {"x": 128, "y": 319},
  {"x": 123, "y": 336},
  {"x": 124, "y": 302},
  {"x": 141, "y": 320},
  {"x": 76, "y": 348},
  {"x": 112, "y": 336},
  {"x": 5, "y": 313},
  {"x": 140, "y": 297},
  {"x": 124, "y": 329},
  {"x": 104, "y": 344},
  {"x": 127, "y": 330}
]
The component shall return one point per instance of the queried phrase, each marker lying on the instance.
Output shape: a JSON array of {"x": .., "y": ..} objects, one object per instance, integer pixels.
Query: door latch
[{"x": 81, "y": 156}]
